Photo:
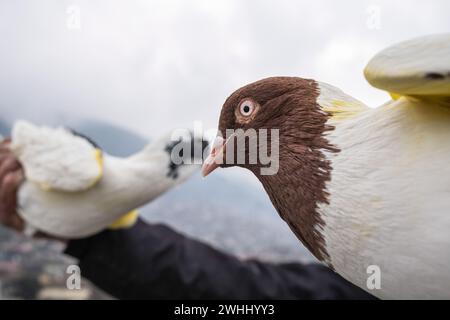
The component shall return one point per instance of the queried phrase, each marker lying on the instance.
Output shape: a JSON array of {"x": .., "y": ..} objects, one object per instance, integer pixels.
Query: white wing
[
  {"x": 56, "y": 159},
  {"x": 418, "y": 67}
]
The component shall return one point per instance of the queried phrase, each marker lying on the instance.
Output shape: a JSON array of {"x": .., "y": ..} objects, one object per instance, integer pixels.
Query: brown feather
[{"x": 290, "y": 105}]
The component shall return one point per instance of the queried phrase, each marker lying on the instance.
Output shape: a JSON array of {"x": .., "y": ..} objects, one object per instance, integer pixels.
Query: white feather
[
  {"x": 55, "y": 158},
  {"x": 415, "y": 67},
  {"x": 127, "y": 184},
  {"x": 389, "y": 199}
]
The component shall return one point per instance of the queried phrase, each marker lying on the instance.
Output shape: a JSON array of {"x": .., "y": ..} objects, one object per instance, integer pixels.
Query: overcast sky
[{"x": 154, "y": 65}]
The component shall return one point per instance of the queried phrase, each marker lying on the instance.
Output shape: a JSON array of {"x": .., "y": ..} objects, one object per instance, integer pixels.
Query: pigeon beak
[{"x": 215, "y": 158}]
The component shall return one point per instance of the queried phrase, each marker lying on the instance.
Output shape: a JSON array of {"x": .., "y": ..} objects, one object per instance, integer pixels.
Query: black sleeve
[{"x": 155, "y": 262}]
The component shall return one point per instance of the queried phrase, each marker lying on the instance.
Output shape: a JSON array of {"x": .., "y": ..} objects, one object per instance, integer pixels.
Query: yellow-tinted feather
[{"x": 126, "y": 221}]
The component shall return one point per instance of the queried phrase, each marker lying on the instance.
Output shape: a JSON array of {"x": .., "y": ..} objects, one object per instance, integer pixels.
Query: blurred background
[{"x": 124, "y": 72}]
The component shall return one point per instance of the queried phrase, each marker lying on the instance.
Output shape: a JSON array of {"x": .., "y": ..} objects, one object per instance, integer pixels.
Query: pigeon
[
  {"x": 366, "y": 190},
  {"x": 73, "y": 189}
]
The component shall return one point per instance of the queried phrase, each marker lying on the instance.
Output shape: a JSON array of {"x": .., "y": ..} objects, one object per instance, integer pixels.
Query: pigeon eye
[{"x": 247, "y": 107}]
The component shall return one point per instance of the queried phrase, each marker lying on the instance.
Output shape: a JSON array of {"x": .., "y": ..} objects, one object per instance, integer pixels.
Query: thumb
[{"x": 8, "y": 199}]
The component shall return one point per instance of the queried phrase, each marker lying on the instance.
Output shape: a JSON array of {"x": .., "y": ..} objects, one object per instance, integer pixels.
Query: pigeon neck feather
[{"x": 300, "y": 184}]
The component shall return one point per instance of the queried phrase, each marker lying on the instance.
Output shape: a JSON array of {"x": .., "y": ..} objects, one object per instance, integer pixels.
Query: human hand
[{"x": 11, "y": 176}]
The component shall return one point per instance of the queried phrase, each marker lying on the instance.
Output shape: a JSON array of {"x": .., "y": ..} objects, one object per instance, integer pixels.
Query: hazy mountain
[
  {"x": 232, "y": 215},
  {"x": 115, "y": 140}
]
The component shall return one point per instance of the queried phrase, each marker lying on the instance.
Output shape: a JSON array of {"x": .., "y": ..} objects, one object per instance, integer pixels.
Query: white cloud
[
  {"x": 341, "y": 62},
  {"x": 153, "y": 65}
]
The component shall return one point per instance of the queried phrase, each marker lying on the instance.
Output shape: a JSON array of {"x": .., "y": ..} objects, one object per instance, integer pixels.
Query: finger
[
  {"x": 5, "y": 149},
  {"x": 8, "y": 165},
  {"x": 9, "y": 187},
  {"x": 3, "y": 156},
  {"x": 8, "y": 198},
  {"x": 5, "y": 153},
  {"x": 4, "y": 144}
]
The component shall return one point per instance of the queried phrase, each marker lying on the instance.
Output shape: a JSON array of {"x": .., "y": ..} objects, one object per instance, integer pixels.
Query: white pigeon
[
  {"x": 366, "y": 190},
  {"x": 73, "y": 189}
]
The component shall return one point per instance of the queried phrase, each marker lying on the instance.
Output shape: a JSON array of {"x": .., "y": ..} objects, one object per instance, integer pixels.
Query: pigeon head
[
  {"x": 284, "y": 104},
  {"x": 289, "y": 106}
]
